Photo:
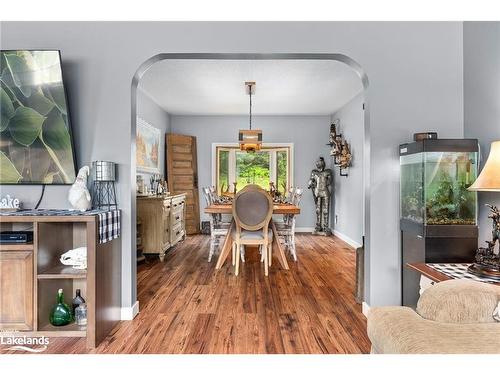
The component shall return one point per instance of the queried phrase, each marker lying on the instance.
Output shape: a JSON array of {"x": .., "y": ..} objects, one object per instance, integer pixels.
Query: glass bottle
[
  {"x": 81, "y": 314},
  {"x": 61, "y": 312},
  {"x": 77, "y": 301}
]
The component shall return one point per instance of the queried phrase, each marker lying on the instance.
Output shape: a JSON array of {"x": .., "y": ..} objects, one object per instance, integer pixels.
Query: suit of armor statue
[{"x": 319, "y": 183}]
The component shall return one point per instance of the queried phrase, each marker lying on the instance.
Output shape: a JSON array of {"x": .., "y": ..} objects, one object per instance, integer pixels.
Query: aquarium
[{"x": 434, "y": 187}]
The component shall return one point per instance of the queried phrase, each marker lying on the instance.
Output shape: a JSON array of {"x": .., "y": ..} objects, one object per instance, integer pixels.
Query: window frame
[{"x": 233, "y": 147}]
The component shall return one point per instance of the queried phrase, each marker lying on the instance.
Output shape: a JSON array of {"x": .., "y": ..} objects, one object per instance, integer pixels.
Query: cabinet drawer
[
  {"x": 177, "y": 233},
  {"x": 177, "y": 217}
]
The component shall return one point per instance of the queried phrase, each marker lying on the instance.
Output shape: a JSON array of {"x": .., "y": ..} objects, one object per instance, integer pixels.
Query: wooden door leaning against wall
[{"x": 182, "y": 175}]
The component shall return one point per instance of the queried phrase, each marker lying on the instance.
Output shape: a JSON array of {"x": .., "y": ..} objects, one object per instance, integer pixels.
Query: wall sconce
[{"x": 340, "y": 150}]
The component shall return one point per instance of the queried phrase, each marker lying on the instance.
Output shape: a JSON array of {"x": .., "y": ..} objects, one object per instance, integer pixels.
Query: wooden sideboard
[
  {"x": 162, "y": 222},
  {"x": 31, "y": 274}
]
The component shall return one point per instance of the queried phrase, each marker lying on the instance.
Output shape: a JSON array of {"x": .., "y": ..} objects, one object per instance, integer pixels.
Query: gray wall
[
  {"x": 482, "y": 100},
  {"x": 309, "y": 134},
  {"x": 155, "y": 115},
  {"x": 416, "y": 83},
  {"x": 348, "y": 203}
]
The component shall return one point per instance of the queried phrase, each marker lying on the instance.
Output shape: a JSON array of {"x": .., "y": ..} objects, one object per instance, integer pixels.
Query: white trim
[
  {"x": 129, "y": 313},
  {"x": 347, "y": 239},
  {"x": 304, "y": 229},
  {"x": 290, "y": 146},
  {"x": 365, "y": 308}
]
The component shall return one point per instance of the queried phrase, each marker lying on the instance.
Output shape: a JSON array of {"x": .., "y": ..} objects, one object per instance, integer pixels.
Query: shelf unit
[{"x": 33, "y": 274}]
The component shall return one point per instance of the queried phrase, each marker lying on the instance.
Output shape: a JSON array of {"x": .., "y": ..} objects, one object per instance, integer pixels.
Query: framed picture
[
  {"x": 147, "y": 147},
  {"x": 36, "y": 143}
]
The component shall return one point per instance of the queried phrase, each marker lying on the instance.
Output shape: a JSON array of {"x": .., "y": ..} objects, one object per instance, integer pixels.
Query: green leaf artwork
[
  {"x": 8, "y": 173},
  {"x": 25, "y": 126},
  {"x": 6, "y": 109},
  {"x": 35, "y": 139}
]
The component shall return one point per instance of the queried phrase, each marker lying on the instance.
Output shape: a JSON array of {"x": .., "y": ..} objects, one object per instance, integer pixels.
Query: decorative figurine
[
  {"x": 334, "y": 140},
  {"x": 9, "y": 203},
  {"x": 344, "y": 158},
  {"x": 319, "y": 183},
  {"x": 487, "y": 262},
  {"x": 78, "y": 194}
]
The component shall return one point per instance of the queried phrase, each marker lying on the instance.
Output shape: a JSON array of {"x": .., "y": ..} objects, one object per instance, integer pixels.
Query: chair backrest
[
  {"x": 297, "y": 196},
  {"x": 206, "y": 194},
  {"x": 252, "y": 208}
]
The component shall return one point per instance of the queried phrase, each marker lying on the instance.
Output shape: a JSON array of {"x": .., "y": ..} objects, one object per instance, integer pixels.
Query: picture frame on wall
[{"x": 147, "y": 147}]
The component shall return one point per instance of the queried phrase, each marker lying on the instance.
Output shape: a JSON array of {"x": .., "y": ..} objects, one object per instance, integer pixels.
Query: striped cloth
[
  {"x": 458, "y": 271},
  {"x": 109, "y": 225},
  {"x": 108, "y": 220}
]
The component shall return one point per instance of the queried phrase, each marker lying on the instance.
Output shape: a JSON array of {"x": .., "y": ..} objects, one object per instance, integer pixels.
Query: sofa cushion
[{"x": 459, "y": 301}]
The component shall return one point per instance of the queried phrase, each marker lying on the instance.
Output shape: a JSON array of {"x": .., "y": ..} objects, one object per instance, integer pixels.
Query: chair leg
[
  {"x": 294, "y": 252},
  {"x": 237, "y": 260},
  {"x": 261, "y": 251},
  {"x": 266, "y": 259},
  {"x": 243, "y": 254},
  {"x": 212, "y": 249},
  {"x": 233, "y": 253}
]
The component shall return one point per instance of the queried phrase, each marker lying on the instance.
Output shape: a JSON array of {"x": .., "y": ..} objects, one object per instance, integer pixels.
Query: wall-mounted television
[{"x": 36, "y": 144}]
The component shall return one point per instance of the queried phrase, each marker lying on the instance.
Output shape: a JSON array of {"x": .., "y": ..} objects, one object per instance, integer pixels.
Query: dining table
[{"x": 227, "y": 209}]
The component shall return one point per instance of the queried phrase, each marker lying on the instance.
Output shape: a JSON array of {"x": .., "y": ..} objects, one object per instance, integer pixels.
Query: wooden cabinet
[
  {"x": 31, "y": 274},
  {"x": 16, "y": 287},
  {"x": 162, "y": 222}
]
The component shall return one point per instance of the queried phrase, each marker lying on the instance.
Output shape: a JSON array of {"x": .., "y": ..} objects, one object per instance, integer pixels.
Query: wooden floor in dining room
[{"x": 189, "y": 307}]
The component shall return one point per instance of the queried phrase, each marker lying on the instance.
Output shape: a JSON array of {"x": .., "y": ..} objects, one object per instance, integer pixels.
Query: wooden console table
[{"x": 31, "y": 274}]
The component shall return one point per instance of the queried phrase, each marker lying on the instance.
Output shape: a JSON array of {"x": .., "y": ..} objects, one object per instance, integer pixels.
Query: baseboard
[
  {"x": 347, "y": 239},
  {"x": 129, "y": 313},
  {"x": 365, "y": 308},
  {"x": 304, "y": 229}
]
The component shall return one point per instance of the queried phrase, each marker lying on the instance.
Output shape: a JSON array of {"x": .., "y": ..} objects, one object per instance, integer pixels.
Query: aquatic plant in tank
[{"x": 434, "y": 188}]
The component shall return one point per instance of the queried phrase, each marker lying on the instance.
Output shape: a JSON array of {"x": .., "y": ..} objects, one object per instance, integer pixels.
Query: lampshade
[
  {"x": 250, "y": 140},
  {"x": 489, "y": 178}
]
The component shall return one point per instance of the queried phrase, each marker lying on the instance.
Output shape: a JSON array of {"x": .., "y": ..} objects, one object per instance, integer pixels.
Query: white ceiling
[{"x": 283, "y": 87}]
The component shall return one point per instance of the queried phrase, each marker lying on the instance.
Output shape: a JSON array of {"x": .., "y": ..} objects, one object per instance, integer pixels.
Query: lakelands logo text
[{"x": 25, "y": 343}]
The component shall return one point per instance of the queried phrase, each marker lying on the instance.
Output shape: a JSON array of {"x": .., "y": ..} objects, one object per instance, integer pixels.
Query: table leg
[
  {"x": 279, "y": 248},
  {"x": 226, "y": 248}
]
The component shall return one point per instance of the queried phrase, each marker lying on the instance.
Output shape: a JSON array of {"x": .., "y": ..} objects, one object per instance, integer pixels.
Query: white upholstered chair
[{"x": 252, "y": 212}]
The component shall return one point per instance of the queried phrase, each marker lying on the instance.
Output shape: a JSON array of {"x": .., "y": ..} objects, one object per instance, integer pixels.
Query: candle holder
[{"x": 104, "y": 193}]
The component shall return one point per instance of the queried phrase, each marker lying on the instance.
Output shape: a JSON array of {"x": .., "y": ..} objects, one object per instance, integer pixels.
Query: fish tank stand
[{"x": 438, "y": 215}]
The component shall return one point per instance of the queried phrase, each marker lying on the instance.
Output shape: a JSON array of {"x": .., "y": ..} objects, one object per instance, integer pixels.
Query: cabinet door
[{"x": 16, "y": 290}]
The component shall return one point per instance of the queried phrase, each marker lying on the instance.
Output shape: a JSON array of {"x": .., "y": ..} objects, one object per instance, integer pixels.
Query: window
[{"x": 270, "y": 164}]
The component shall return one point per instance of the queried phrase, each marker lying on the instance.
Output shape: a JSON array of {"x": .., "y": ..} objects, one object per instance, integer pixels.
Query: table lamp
[{"x": 487, "y": 262}]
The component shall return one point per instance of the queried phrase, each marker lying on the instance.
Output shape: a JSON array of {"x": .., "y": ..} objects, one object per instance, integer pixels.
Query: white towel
[{"x": 76, "y": 258}]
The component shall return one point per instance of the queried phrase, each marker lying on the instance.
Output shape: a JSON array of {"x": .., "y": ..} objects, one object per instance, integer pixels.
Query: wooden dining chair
[
  {"x": 286, "y": 229},
  {"x": 252, "y": 212},
  {"x": 218, "y": 228}
]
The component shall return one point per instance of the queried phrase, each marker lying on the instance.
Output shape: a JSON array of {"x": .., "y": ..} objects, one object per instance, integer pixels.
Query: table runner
[
  {"x": 458, "y": 271},
  {"x": 108, "y": 220}
]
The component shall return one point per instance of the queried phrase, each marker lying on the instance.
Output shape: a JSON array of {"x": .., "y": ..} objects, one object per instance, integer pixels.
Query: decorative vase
[
  {"x": 61, "y": 312},
  {"x": 77, "y": 301}
]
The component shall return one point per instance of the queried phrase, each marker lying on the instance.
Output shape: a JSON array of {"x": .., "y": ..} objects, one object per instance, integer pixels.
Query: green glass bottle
[{"x": 61, "y": 312}]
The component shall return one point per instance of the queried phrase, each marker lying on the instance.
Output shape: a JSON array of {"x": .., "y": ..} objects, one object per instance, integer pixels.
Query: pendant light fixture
[{"x": 250, "y": 140}]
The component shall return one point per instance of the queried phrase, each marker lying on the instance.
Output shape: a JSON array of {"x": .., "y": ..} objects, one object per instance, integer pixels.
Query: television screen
[{"x": 36, "y": 145}]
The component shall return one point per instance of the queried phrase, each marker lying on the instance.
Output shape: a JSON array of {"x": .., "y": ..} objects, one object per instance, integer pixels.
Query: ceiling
[{"x": 283, "y": 87}]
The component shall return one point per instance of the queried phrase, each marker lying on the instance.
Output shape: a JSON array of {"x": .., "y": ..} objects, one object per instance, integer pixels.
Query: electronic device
[{"x": 16, "y": 237}]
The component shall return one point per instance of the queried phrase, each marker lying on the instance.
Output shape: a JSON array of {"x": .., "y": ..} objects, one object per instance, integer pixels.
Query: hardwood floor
[{"x": 189, "y": 307}]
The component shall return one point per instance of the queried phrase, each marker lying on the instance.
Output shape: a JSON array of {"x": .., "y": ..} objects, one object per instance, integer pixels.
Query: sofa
[{"x": 454, "y": 316}]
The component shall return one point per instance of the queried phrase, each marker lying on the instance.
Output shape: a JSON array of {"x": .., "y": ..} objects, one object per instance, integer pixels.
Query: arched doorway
[{"x": 249, "y": 56}]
